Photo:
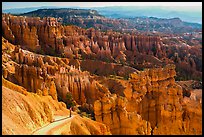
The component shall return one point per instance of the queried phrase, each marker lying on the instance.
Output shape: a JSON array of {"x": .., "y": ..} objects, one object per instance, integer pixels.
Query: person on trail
[{"x": 70, "y": 111}]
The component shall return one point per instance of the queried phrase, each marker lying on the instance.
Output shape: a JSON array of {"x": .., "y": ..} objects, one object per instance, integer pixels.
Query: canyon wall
[
  {"x": 54, "y": 76},
  {"x": 33, "y": 112},
  {"x": 24, "y": 112},
  {"x": 147, "y": 102},
  {"x": 30, "y": 83},
  {"x": 153, "y": 99},
  {"x": 150, "y": 97},
  {"x": 48, "y": 36}
]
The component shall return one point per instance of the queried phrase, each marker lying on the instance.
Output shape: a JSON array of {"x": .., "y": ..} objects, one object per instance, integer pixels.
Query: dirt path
[{"x": 59, "y": 120}]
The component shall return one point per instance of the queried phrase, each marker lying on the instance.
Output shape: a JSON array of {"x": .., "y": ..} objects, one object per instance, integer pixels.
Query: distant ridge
[
  {"x": 63, "y": 13},
  {"x": 24, "y": 10},
  {"x": 127, "y": 12},
  {"x": 87, "y": 18}
]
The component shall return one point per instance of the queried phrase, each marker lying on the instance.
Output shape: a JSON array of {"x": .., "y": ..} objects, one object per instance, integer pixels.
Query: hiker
[{"x": 70, "y": 111}]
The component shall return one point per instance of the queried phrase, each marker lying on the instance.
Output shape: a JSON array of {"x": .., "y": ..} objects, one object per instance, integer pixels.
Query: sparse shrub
[
  {"x": 70, "y": 100},
  {"x": 126, "y": 77}
]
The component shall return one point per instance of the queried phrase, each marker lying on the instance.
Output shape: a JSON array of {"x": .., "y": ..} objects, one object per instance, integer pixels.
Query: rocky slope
[
  {"x": 31, "y": 111},
  {"x": 34, "y": 98},
  {"x": 124, "y": 99},
  {"x": 34, "y": 111},
  {"x": 47, "y": 75},
  {"x": 150, "y": 95},
  {"x": 47, "y": 36},
  {"x": 152, "y": 98}
]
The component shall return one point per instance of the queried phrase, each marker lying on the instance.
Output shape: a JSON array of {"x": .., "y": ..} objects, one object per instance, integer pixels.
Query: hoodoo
[{"x": 78, "y": 79}]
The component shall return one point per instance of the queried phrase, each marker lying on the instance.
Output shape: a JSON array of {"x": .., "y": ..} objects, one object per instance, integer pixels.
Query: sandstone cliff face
[
  {"x": 46, "y": 75},
  {"x": 47, "y": 36},
  {"x": 31, "y": 111},
  {"x": 85, "y": 126},
  {"x": 111, "y": 110},
  {"x": 153, "y": 98},
  {"x": 149, "y": 102}
]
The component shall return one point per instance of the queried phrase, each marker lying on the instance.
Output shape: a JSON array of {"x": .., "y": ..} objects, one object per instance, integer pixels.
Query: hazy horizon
[
  {"x": 183, "y": 10},
  {"x": 174, "y": 5}
]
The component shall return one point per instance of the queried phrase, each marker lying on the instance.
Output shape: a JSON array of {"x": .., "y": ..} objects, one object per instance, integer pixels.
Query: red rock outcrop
[
  {"x": 149, "y": 102},
  {"x": 44, "y": 75},
  {"x": 111, "y": 110},
  {"x": 40, "y": 35},
  {"x": 55, "y": 76},
  {"x": 47, "y": 36},
  {"x": 24, "y": 113},
  {"x": 153, "y": 96}
]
